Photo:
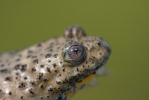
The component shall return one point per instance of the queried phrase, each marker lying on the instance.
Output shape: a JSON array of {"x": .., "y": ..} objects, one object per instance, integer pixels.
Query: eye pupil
[{"x": 75, "y": 52}]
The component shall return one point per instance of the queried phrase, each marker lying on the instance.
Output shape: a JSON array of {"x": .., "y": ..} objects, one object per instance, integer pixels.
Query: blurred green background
[{"x": 123, "y": 23}]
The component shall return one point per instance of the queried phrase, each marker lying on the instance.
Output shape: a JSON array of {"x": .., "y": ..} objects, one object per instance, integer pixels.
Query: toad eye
[{"x": 74, "y": 54}]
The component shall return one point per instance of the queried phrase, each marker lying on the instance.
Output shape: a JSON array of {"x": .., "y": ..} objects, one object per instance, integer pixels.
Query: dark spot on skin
[
  {"x": 9, "y": 93},
  {"x": 50, "y": 89},
  {"x": 28, "y": 56},
  {"x": 33, "y": 83},
  {"x": 58, "y": 82},
  {"x": 78, "y": 74},
  {"x": 45, "y": 79},
  {"x": 8, "y": 79},
  {"x": 55, "y": 71},
  {"x": 64, "y": 82},
  {"x": 48, "y": 55},
  {"x": 17, "y": 59},
  {"x": 63, "y": 69},
  {"x": 39, "y": 45},
  {"x": 58, "y": 48},
  {"x": 2, "y": 65},
  {"x": 87, "y": 44},
  {"x": 34, "y": 56},
  {"x": 21, "y": 97},
  {"x": 77, "y": 69},
  {"x": 23, "y": 67},
  {"x": 30, "y": 51},
  {"x": 21, "y": 85},
  {"x": 41, "y": 86},
  {"x": 58, "y": 88},
  {"x": 61, "y": 91},
  {"x": 50, "y": 50},
  {"x": 54, "y": 65},
  {"x": 48, "y": 96},
  {"x": 33, "y": 69},
  {"x": 35, "y": 61},
  {"x": 49, "y": 61},
  {"x": 99, "y": 44},
  {"x": 40, "y": 75},
  {"x": 31, "y": 91},
  {"x": 25, "y": 78},
  {"x": 93, "y": 57},
  {"x": 68, "y": 89},
  {"x": 74, "y": 77},
  {"x": 49, "y": 47},
  {"x": 55, "y": 55},
  {"x": 17, "y": 73},
  {"x": 41, "y": 97},
  {"x": 48, "y": 69},
  {"x": 17, "y": 67},
  {"x": 59, "y": 74},
  {"x": 3, "y": 70},
  {"x": 42, "y": 66}
]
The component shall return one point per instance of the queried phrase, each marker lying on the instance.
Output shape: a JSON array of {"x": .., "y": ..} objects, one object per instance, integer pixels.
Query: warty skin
[{"x": 52, "y": 70}]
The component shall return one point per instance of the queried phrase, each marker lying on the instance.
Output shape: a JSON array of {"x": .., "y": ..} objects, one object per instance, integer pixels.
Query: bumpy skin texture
[{"x": 54, "y": 69}]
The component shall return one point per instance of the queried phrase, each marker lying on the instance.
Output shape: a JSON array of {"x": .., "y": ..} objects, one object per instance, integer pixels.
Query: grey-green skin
[{"x": 46, "y": 71}]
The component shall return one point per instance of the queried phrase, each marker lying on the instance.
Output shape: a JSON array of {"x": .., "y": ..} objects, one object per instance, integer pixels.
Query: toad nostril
[{"x": 99, "y": 43}]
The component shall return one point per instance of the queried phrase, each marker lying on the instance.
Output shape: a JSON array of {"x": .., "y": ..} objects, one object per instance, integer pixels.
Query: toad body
[{"x": 52, "y": 70}]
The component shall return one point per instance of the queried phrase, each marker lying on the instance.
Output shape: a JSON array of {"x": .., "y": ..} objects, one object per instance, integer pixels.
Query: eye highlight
[{"x": 74, "y": 54}]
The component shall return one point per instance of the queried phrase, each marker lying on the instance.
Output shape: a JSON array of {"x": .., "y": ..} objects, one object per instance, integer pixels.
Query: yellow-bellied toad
[{"x": 52, "y": 70}]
